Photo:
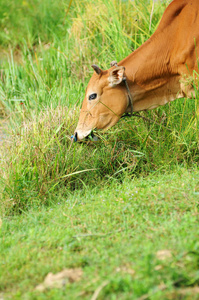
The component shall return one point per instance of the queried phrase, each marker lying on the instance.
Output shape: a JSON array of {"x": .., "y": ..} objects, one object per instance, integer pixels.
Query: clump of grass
[{"x": 41, "y": 160}]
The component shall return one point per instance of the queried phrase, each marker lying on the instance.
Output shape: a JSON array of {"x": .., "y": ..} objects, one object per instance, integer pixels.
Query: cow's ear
[{"x": 116, "y": 76}]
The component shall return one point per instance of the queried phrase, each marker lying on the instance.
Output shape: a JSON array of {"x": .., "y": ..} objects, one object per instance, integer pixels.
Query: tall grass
[
  {"x": 41, "y": 94},
  {"x": 43, "y": 163},
  {"x": 56, "y": 47}
]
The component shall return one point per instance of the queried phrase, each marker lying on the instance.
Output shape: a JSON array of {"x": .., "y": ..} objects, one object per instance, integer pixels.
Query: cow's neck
[{"x": 152, "y": 80}]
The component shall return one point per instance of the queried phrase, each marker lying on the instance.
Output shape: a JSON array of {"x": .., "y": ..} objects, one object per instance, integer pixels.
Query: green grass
[
  {"x": 42, "y": 160},
  {"x": 105, "y": 207},
  {"x": 113, "y": 234}
]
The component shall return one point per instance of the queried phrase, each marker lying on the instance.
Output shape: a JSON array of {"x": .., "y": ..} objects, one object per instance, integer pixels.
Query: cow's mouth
[{"x": 90, "y": 137}]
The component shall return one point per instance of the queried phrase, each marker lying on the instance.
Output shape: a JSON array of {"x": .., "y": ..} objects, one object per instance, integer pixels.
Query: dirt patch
[{"x": 60, "y": 279}]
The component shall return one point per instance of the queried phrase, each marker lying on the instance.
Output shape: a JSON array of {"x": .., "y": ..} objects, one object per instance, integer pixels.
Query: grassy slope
[
  {"x": 113, "y": 233},
  {"x": 72, "y": 217}
]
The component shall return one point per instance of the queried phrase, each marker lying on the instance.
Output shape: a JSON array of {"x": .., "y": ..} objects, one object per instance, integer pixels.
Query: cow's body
[{"x": 155, "y": 72}]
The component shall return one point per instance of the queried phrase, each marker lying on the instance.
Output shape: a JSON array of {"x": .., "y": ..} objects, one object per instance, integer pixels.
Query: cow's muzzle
[{"x": 88, "y": 137}]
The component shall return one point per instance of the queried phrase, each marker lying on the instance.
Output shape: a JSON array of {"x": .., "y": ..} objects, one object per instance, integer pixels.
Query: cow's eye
[{"x": 92, "y": 96}]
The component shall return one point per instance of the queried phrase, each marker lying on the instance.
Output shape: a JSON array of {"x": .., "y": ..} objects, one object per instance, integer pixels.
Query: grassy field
[
  {"x": 138, "y": 238},
  {"x": 122, "y": 212}
]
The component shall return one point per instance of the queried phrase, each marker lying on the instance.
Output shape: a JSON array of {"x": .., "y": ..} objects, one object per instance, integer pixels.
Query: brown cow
[{"x": 154, "y": 73}]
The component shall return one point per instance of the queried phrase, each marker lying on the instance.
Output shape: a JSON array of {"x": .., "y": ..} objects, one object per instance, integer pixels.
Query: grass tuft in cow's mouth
[{"x": 92, "y": 137}]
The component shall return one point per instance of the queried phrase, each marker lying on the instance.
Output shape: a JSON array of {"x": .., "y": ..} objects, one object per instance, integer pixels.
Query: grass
[
  {"x": 113, "y": 233},
  {"x": 42, "y": 159},
  {"x": 109, "y": 207}
]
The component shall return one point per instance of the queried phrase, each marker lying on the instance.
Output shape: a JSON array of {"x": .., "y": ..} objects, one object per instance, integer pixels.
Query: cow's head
[{"x": 104, "y": 103}]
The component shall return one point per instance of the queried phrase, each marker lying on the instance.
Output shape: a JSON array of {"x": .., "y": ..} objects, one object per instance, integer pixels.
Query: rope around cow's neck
[{"x": 129, "y": 98}]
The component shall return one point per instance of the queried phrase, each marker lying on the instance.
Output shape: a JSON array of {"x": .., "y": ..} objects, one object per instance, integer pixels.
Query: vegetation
[
  {"x": 138, "y": 238},
  {"x": 124, "y": 209}
]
